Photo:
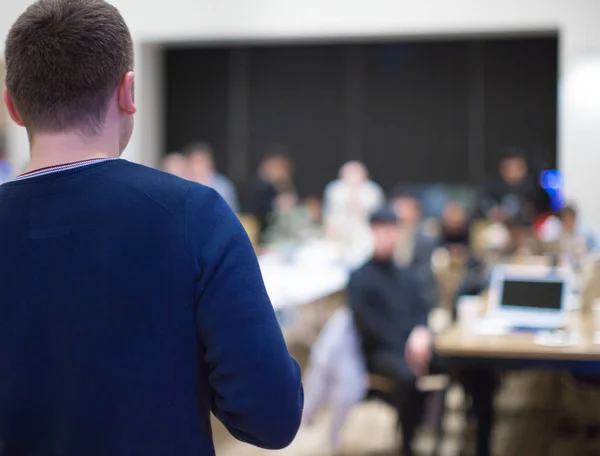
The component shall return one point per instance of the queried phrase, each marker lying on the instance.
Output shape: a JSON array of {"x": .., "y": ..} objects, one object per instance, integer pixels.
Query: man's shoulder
[
  {"x": 146, "y": 179},
  {"x": 374, "y": 187},
  {"x": 143, "y": 176},
  {"x": 261, "y": 185},
  {"x": 163, "y": 188},
  {"x": 362, "y": 273},
  {"x": 334, "y": 186}
]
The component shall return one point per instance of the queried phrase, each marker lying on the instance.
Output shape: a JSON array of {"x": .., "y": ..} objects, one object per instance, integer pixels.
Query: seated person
[
  {"x": 314, "y": 207},
  {"x": 176, "y": 164},
  {"x": 275, "y": 178},
  {"x": 292, "y": 222},
  {"x": 391, "y": 318},
  {"x": 202, "y": 170},
  {"x": 455, "y": 231},
  {"x": 570, "y": 231},
  {"x": 415, "y": 247},
  {"x": 347, "y": 203},
  {"x": 512, "y": 195}
]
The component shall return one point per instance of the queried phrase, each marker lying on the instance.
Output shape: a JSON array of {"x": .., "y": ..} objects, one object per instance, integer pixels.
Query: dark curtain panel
[
  {"x": 196, "y": 100},
  {"x": 416, "y": 123},
  {"x": 521, "y": 80},
  {"x": 414, "y": 111},
  {"x": 296, "y": 99}
]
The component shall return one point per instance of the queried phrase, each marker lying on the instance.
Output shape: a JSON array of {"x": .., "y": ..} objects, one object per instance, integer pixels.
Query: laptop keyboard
[{"x": 505, "y": 322}]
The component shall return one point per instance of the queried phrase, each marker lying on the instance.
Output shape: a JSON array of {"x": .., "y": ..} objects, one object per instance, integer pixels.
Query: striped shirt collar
[{"x": 59, "y": 168}]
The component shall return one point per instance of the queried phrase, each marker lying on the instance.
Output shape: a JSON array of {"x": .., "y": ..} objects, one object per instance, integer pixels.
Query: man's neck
[
  {"x": 58, "y": 149},
  {"x": 381, "y": 257}
]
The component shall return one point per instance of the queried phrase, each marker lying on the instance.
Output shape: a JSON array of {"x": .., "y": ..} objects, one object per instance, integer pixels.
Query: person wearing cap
[{"x": 390, "y": 315}]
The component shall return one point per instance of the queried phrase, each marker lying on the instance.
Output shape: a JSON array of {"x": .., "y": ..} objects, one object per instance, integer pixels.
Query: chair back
[
  {"x": 251, "y": 226},
  {"x": 591, "y": 286}
]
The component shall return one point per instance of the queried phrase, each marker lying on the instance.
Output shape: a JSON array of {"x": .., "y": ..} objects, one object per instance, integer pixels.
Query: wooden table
[
  {"x": 516, "y": 351},
  {"x": 453, "y": 343}
]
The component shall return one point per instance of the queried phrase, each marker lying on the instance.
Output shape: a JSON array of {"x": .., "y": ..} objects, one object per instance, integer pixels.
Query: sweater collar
[{"x": 59, "y": 168}]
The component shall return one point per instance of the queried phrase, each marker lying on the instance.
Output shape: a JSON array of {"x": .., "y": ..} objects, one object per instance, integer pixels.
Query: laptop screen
[{"x": 532, "y": 294}]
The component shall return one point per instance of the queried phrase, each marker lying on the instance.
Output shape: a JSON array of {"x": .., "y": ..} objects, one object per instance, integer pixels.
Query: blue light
[{"x": 552, "y": 182}]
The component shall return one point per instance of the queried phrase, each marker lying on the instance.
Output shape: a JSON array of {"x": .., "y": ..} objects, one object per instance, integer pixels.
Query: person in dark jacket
[
  {"x": 391, "y": 318},
  {"x": 274, "y": 183},
  {"x": 510, "y": 197}
]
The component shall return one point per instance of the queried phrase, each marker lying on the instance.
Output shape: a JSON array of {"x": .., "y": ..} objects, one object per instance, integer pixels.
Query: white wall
[{"x": 155, "y": 21}]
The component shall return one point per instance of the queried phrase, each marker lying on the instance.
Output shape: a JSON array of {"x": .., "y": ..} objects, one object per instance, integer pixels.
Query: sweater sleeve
[{"x": 255, "y": 384}]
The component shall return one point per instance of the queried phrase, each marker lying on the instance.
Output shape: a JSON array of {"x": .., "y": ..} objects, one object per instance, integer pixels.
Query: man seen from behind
[{"x": 133, "y": 303}]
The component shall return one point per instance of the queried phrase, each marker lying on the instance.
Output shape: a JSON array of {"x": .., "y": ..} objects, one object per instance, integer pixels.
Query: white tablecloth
[{"x": 312, "y": 272}]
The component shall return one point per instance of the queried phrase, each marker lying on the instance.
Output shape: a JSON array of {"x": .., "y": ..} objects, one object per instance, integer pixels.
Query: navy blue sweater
[{"x": 131, "y": 306}]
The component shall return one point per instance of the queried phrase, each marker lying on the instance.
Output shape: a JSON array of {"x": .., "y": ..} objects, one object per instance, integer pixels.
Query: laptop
[{"x": 527, "y": 298}]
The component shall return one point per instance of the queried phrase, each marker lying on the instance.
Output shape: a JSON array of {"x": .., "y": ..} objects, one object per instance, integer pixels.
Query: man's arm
[
  {"x": 256, "y": 384},
  {"x": 422, "y": 268},
  {"x": 419, "y": 307},
  {"x": 418, "y": 345}
]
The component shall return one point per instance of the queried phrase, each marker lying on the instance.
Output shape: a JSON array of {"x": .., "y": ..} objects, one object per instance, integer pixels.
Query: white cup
[{"x": 468, "y": 312}]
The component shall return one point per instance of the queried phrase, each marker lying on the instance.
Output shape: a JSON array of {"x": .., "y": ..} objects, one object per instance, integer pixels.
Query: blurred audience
[
  {"x": 202, "y": 170},
  {"x": 512, "y": 196},
  {"x": 391, "y": 317},
  {"x": 455, "y": 230},
  {"x": 568, "y": 228},
  {"x": 273, "y": 189},
  {"x": 415, "y": 247},
  {"x": 6, "y": 169},
  {"x": 176, "y": 164},
  {"x": 348, "y": 202},
  {"x": 292, "y": 222},
  {"x": 315, "y": 209}
]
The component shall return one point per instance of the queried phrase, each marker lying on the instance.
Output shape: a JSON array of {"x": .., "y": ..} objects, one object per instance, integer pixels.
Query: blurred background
[{"x": 476, "y": 121}]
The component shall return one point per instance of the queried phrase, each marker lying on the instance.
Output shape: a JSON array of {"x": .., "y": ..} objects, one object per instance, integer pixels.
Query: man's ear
[
  {"x": 126, "y": 103},
  {"x": 12, "y": 110}
]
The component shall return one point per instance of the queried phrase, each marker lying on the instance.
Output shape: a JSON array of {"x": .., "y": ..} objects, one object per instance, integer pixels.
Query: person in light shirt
[
  {"x": 348, "y": 202},
  {"x": 568, "y": 228},
  {"x": 175, "y": 164},
  {"x": 202, "y": 170},
  {"x": 6, "y": 168}
]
